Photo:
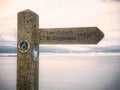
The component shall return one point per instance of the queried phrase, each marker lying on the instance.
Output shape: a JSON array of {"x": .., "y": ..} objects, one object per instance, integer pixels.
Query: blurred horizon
[{"x": 10, "y": 48}]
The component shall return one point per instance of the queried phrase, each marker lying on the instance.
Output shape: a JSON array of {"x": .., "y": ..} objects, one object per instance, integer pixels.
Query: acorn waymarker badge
[{"x": 23, "y": 46}]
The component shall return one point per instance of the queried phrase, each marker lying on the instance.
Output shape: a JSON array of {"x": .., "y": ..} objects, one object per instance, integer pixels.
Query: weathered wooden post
[
  {"x": 28, "y": 51},
  {"x": 29, "y": 38}
]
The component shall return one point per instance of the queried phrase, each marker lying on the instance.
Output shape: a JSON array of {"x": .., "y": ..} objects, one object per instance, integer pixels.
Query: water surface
[{"x": 67, "y": 72}]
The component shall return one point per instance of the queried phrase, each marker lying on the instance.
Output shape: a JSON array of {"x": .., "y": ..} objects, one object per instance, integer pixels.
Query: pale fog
[{"x": 67, "y": 72}]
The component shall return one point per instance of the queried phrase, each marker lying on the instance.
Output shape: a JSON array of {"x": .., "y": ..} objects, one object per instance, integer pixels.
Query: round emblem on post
[
  {"x": 23, "y": 46},
  {"x": 35, "y": 54}
]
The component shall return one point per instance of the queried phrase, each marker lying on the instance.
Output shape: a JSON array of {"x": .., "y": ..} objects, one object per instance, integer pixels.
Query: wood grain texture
[{"x": 27, "y": 69}]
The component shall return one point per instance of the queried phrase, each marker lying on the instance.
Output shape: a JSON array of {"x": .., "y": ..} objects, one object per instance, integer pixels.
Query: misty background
[{"x": 105, "y": 14}]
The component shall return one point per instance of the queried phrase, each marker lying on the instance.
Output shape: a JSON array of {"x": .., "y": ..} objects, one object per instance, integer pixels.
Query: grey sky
[{"x": 65, "y": 13}]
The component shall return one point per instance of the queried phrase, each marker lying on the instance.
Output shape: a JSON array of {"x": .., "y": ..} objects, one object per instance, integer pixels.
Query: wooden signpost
[{"x": 29, "y": 38}]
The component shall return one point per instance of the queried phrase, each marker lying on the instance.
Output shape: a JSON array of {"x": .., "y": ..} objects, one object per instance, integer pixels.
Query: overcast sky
[{"x": 105, "y": 14}]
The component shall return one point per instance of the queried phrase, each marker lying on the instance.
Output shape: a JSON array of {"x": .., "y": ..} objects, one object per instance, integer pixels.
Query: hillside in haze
[{"x": 11, "y": 48}]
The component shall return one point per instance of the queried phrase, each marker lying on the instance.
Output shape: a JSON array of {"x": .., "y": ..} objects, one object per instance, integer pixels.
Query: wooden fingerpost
[
  {"x": 28, "y": 51},
  {"x": 29, "y": 38}
]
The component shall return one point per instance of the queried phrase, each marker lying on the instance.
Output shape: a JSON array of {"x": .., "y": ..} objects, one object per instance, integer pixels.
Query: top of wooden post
[{"x": 27, "y": 11}]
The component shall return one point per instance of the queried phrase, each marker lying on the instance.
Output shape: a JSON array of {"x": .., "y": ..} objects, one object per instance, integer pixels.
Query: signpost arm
[
  {"x": 27, "y": 68},
  {"x": 76, "y": 35}
]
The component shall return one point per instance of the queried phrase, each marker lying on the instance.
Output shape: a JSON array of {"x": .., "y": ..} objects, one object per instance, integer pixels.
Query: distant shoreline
[{"x": 64, "y": 54}]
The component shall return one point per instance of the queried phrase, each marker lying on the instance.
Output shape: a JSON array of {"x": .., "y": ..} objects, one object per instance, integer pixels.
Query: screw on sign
[{"x": 28, "y": 45}]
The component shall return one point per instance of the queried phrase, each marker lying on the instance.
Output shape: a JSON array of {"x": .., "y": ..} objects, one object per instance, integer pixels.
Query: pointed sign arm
[{"x": 78, "y": 35}]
